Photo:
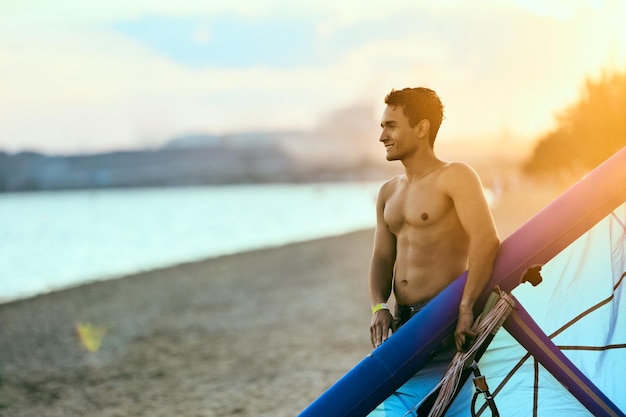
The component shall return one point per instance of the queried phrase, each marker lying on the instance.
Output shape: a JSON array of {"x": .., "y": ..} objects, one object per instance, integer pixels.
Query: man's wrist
[
  {"x": 379, "y": 306},
  {"x": 466, "y": 307}
]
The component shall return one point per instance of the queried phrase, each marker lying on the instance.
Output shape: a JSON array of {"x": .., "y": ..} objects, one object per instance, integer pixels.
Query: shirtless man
[{"x": 433, "y": 222}]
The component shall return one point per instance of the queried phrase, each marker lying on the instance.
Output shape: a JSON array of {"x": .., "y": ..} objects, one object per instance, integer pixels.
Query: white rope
[{"x": 483, "y": 326}]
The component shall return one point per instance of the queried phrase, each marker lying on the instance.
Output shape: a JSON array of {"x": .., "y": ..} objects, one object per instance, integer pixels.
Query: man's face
[{"x": 399, "y": 138}]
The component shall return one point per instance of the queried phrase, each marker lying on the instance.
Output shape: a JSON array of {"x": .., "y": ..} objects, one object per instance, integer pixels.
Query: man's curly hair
[{"x": 418, "y": 104}]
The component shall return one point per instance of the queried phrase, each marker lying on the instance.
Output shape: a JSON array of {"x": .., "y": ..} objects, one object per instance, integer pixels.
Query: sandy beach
[{"x": 261, "y": 333}]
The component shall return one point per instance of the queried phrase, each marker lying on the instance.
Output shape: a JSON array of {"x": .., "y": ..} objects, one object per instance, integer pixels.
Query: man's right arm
[{"x": 381, "y": 273}]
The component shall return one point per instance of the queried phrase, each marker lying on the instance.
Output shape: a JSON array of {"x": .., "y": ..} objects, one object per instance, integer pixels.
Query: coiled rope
[{"x": 498, "y": 307}]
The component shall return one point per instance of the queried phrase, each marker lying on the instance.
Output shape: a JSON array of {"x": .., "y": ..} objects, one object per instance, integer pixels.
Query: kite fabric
[{"x": 581, "y": 306}]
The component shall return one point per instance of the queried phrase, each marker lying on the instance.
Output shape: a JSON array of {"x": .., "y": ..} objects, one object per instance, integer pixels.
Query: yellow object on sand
[{"x": 90, "y": 336}]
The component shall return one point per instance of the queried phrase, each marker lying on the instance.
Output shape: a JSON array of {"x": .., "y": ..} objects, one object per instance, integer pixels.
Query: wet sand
[{"x": 261, "y": 333}]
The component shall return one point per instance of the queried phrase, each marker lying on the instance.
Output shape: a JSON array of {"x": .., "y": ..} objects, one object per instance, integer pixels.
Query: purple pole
[{"x": 526, "y": 331}]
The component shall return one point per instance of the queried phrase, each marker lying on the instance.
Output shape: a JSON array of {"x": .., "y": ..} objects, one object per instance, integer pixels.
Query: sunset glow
[{"x": 78, "y": 78}]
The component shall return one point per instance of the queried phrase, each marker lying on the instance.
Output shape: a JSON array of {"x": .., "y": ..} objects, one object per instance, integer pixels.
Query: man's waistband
[
  {"x": 405, "y": 312},
  {"x": 413, "y": 308}
]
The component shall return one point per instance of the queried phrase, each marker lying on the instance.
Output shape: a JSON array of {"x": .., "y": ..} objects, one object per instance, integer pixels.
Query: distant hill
[{"x": 254, "y": 157}]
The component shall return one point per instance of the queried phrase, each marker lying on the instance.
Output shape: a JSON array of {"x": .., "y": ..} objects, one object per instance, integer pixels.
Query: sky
[{"x": 84, "y": 77}]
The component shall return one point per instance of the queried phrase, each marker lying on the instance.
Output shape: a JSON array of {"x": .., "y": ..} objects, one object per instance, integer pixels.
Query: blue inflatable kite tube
[{"x": 394, "y": 362}]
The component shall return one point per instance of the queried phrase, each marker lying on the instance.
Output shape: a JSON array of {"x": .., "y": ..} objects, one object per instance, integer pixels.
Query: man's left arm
[{"x": 473, "y": 211}]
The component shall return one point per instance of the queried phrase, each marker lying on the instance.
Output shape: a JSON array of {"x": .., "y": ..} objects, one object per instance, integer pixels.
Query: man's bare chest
[{"x": 416, "y": 207}]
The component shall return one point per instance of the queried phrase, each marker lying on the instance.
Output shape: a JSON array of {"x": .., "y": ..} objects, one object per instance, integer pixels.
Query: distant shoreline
[{"x": 218, "y": 164}]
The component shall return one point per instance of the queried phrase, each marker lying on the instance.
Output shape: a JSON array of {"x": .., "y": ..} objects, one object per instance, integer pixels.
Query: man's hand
[
  {"x": 382, "y": 322},
  {"x": 463, "y": 335}
]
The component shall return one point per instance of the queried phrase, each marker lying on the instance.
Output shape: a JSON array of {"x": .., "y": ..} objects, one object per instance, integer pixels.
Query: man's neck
[{"x": 421, "y": 164}]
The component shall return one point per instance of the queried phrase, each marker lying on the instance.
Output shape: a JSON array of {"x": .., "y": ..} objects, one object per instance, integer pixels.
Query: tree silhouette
[{"x": 588, "y": 132}]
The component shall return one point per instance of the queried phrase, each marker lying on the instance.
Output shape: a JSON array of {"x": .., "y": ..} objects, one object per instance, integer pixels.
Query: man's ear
[{"x": 423, "y": 127}]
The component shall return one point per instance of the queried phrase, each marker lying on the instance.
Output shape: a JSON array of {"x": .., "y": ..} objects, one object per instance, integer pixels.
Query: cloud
[
  {"x": 560, "y": 9},
  {"x": 112, "y": 75}
]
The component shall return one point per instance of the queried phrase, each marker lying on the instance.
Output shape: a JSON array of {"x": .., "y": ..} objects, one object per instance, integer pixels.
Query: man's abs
[{"x": 421, "y": 274}]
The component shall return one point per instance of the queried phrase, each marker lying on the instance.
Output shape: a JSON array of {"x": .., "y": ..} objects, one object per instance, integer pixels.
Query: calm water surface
[{"x": 52, "y": 240}]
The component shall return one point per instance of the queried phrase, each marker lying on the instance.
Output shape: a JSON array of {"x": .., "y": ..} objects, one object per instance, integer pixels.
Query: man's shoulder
[
  {"x": 459, "y": 167},
  {"x": 392, "y": 183},
  {"x": 460, "y": 177},
  {"x": 389, "y": 187},
  {"x": 458, "y": 170}
]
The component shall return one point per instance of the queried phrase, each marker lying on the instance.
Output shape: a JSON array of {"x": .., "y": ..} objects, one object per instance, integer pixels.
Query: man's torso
[{"x": 431, "y": 245}]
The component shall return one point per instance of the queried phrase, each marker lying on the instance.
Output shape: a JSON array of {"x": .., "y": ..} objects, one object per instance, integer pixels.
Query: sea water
[{"x": 53, "y": 240}]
